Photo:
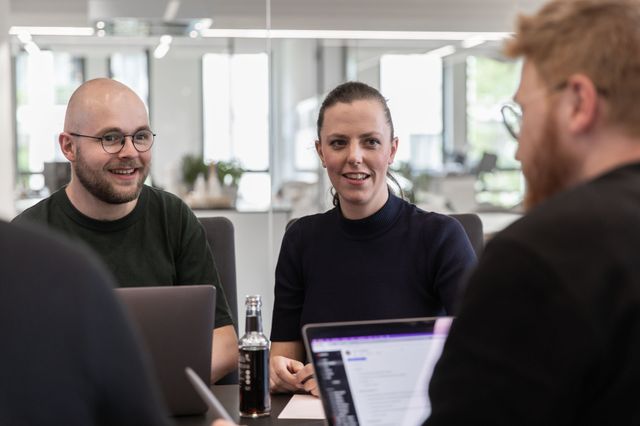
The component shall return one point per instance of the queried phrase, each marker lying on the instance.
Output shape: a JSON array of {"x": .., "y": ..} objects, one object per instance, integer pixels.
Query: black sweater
[
  {"x": 160, "y": 242},
  {"x": 548, "y": 332},
  {"x": 400, "y": 262},
  {"x": 67, "y": 353}
]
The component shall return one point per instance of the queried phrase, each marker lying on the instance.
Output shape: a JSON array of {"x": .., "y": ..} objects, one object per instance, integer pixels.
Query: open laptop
[
  {"x": 176, "y": 326},
  {"x": 376, "y": 372}
]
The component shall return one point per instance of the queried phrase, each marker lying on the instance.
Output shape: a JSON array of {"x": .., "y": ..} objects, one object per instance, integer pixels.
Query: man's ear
[
  {"x": 583, "y": 103},
  {"x": 67, "y": 146},
  {"x": 320, "y": 154}
]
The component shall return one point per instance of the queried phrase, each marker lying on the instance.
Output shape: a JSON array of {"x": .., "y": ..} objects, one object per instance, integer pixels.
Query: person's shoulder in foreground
[
  {"x": 68, "y": 353},
  {"x": 546, "y": 318}
]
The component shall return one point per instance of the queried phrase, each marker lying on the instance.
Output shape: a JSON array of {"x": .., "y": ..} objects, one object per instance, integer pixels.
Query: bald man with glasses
[{"x": 145, "y": 236}]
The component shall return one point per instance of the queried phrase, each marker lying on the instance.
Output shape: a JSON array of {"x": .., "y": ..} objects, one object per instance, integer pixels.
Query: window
[
  {"x": 306, "y": 158},
  {"x": 236, "y": 126},
  {"x": 44, "y": 82},
  {"x": 489, "y": 84},
  {"x": 132, "y": 69},
  {"x": 413, "y": 86}
]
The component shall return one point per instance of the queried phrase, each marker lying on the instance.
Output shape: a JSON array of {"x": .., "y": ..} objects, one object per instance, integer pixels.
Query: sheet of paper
[{"x": 303, "y": 407}]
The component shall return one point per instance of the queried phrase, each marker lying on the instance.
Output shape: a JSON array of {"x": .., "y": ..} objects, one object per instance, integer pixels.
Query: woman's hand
[
  {"x": 221, "y": 422},
  {"x": 306, "y": 379},
  {"x": 282, "y": 374}
]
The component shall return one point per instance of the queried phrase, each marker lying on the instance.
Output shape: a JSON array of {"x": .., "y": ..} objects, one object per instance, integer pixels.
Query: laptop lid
[
  {"x": 376, "y": 372},
  {"x": 176, "y": 325}
]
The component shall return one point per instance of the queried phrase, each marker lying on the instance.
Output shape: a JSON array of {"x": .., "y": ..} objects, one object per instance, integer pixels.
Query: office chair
[
  {"x": 221, "y": 238},
  {"x": 290, "y": 222},
  {"x": 473, "y": 227}
]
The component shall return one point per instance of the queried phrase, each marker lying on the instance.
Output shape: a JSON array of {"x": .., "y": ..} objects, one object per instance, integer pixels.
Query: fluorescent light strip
[
  {"x": 360, "y": 35},
  {"x": 262, "y": 33},
  {"x": 53, "y": 31}
]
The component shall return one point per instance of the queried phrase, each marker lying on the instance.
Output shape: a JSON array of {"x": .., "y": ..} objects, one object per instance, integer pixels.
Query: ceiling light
[
  {"x": 27, "y": 42},
  {"x": 203, "y": 24},
  {"x": 163, "y": 47},
  {"x": 31, "y": 48},
  {"x": 24, "y": 37},
  {"x": 53, "y": 31},
  {"x": 358, "y": 35}
]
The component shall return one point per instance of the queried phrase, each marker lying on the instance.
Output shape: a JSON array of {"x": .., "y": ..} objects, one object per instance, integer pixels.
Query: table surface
[{"x": 229, "y": 397}]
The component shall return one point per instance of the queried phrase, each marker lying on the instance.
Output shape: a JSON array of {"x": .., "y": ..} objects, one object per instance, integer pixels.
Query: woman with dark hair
[{"x": 373, "y": 256}]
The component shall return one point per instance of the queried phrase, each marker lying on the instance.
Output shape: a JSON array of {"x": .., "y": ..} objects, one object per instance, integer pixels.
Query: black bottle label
[{"x": 254, "y": 382}]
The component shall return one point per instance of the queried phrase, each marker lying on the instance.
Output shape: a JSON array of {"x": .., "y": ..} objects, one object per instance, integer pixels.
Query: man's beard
[
  {"x": 95, "y": 182},
  {"x": 552, "y": 168}
]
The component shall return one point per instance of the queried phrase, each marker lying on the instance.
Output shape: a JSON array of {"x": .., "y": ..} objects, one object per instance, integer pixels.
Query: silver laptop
[
  {"x": 376, "y": 372},
  {"x": 176, "y": 325}
]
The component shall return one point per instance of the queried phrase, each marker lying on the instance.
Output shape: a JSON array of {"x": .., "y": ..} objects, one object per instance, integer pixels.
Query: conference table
[{"x": 228, "y": 395}]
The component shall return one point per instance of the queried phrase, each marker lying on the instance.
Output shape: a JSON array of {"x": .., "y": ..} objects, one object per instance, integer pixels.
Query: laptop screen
[{"x": 376, "y": 373}]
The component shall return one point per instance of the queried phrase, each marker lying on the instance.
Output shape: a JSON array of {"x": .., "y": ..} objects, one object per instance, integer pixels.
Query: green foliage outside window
[{"x": 491, "y": 83}]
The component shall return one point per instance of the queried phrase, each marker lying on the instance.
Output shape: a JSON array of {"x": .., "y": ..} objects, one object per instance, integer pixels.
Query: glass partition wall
[
  {"x": 251, "y": 102},
  {"x": 234, "y": 97}
]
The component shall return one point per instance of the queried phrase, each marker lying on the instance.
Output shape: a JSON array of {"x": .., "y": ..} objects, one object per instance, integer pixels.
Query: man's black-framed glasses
[
  {"x": 512, "y": 119},
  {"x": 113, "y": 142},
  {"x": 512, "y": 113}
]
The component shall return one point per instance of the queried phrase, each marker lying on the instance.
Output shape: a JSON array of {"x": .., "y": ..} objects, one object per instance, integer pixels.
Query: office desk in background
[{"x": 228, "y": 396}]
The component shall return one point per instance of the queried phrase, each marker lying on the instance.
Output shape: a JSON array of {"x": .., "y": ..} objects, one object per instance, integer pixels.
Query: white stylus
[{"x": 208, "y": 397}]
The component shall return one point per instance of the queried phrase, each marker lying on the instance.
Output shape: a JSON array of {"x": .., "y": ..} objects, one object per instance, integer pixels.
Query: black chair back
[
  {"x": 473, "y": 227},
  {"x": 221, "y": 238}
]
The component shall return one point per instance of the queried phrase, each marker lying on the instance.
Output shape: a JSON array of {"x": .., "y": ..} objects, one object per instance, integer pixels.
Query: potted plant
[
  {"x": 192, "y": 167},
  {"x": 229, "y": 172}
]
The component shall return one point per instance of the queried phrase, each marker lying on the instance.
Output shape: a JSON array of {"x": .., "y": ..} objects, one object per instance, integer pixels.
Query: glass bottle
[{"x": 255, "y": 400}]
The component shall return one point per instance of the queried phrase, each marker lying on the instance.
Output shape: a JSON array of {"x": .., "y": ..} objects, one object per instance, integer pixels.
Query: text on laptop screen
[{"x": 377, "y": 379}]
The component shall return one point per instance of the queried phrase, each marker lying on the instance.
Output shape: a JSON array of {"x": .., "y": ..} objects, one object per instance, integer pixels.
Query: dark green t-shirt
[{"x": 160, "y": 242}]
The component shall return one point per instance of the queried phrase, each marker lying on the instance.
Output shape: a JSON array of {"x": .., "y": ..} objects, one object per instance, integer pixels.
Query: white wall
[{"x": 6, "y": 118}]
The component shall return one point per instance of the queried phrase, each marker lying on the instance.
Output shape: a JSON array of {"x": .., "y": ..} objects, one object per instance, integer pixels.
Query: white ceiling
[{"x": 406, "y": 15}]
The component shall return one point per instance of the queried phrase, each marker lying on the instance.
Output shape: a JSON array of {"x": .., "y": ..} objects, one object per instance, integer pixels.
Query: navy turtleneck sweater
[{"x": 400, "y": 262}]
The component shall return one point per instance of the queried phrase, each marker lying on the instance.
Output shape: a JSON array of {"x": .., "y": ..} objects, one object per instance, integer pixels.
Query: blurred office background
[{"x": 233, "y": 88}]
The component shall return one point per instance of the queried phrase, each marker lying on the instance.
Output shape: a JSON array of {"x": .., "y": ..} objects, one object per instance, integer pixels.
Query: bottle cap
[{"x": 254, "y": 300}]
